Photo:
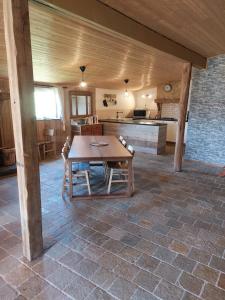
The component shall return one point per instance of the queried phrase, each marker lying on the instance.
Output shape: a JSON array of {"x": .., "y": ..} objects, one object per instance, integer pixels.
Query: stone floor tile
[
  {"x": 4, "y": 234},
  {"x": 103, "y": 278},
  {"x": 32, "y": 287},
  {"x": 109, "y": 261},
  {"x": 10, "y": 242},
  {"x": 113, "y": 246},
  {"x": 146, "y": 246},
  {"x": 71, "y": 259},
  {"x": 99, "y": 294},
  {"x": 160, "y": 228},
  {"x": 8, "y": 264},
  {"x": 126, "y": 270},
  {"x": 147, "y": 262},
  {"x": 167, "y": 272},
  {"x": 184, "y": 263},
  {"x": 130, "y": 254},
  {"x": 3, "y": 254},
  {"x": 62, "y": 277},
  {"x": 130, "y": 240},
  {"x": 51, "y": 293},
  {"x": 78, "y": 244},
  {"x": 164, "y": 254},
  {"x": 221, "y": 282},
  {"x": 46, "y": 267},
  {"x": 85, "y": 232},
  {"x": 179, "y": 247},
  {"x": 187, "y": 219},
  {"x": 80, "y": 288},
  {"x": 116, "y": 233},
  {"x": 86, "y": 268},
  {"x": 20, "y": 297},
  {"x": 211, "y": 292},
  {"x": 174, "y": 223},
  {"x": 93, "y": 252},
  {"x": 98, "y": 238},
  {"x": 168, "y": 291},
  {"x": 199, "y": 255},
  {"x": 8, "y": 293},
  {"x": 141, "y": 294},
  {"x": 101, "y": 226},
  {"x": 2, "y": 282},
  {"x": 206, "y": 273},
  {"x": 18, "y": 275},
  {"x": 191, "y": 283},
  {"x": 217, "y": 263},
  {"x": 146, "y": 280},
  {"x": 57, "y": 251},
  {"x": 188, "y": 296},
  {"x": 122, "y": 289}
]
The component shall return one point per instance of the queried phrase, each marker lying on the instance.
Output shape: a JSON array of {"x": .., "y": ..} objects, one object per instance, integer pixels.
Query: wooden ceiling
[
  {"x": 196, "y": 24},
  {"x": 61, "y": 44}
]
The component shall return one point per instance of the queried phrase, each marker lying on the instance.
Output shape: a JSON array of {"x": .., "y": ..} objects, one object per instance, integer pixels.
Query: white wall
[
  {"x": 141, "y": 102},
  {"x": 126, "y": 104}
]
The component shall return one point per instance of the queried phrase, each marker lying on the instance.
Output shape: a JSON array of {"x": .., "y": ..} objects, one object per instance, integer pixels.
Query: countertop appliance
[{"x": 139, "y": 113}]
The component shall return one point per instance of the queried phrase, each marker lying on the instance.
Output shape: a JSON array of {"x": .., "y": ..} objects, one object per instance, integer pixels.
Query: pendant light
[
  {"x": 83, "y": 83},
  {"x": 126, "y": 82}
]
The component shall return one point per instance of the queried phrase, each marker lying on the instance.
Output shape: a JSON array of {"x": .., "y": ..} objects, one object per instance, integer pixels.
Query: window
[
  {"x": 80, "y": 104},
  {"x": 47, "y": 103}
]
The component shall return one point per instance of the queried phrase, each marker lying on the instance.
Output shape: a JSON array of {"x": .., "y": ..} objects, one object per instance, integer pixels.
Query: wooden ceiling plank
[{"x": 100, "y": 15}]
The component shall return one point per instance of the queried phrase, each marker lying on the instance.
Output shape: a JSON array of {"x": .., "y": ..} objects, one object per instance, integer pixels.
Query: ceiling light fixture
[
  {"x": 126, "y": 82},
  {"x": 83, "y": 83}
]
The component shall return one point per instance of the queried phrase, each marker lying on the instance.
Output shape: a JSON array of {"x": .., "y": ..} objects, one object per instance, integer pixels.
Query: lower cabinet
[{"x": 94, "y": 129}]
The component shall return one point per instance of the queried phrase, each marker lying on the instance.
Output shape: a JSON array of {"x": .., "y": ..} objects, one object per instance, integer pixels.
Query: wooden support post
[
  {"x": 185, "y": 85},
  {"x": 19, "y": 58}
]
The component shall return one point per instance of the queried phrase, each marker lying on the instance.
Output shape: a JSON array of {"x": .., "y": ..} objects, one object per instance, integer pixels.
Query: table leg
[
  {"x": 70, "y": 181},
  {"x": 130, "y": 178}
]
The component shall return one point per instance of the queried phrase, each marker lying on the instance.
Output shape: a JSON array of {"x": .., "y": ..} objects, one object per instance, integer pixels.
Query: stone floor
[{"x": 166, "y": 242}]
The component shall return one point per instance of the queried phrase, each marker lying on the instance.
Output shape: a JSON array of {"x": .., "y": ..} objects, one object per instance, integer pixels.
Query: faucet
[{"x": 117, "y": 114}]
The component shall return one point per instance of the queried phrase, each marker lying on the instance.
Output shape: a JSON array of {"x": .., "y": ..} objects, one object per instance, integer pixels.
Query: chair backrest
[
  {"x": 49, "y": 134},
  {"x": 130, "y": 149},
  {"x": 124, "y": 143},
  {"x": 121, "y": 138},
  {"x": 64, "y": 154},
  {"x": 68, "y": 142}
]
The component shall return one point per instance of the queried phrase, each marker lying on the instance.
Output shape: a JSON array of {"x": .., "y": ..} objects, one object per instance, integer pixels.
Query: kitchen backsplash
[{"x": 170, "y": 110}]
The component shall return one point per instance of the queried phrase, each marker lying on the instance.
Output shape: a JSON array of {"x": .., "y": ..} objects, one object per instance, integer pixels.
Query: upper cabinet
[{"x": 80, "y": 104}]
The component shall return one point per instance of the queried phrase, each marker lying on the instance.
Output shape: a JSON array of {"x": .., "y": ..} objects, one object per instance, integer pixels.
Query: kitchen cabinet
[{"x": 92, "y": 129}]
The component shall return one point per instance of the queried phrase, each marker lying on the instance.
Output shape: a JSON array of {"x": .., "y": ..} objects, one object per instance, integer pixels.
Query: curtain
[{"x": 60, "y": 96}]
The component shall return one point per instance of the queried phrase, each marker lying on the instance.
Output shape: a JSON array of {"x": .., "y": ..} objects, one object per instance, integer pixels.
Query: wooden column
[
  {"x": 19, "y": 58},
  {"x": 185, "y": 85}
]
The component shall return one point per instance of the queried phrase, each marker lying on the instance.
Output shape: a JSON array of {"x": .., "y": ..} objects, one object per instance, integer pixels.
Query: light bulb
[
  {"x": 126, "y": 94},
  {"x": 142, "y": 96},
  {"x": 83, "y": 83}
]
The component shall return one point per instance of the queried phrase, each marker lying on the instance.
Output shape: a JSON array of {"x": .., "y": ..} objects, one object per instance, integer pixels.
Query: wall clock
[{"x": 167, "y": 87}]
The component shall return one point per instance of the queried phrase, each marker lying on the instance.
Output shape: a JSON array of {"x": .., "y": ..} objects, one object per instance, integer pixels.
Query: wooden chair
[
  {"x": 48, "y": 145},
  {"x": 119, "y": 170},
  {"x": 78, "y": 170},
  {"x": 120, "y": 138}
]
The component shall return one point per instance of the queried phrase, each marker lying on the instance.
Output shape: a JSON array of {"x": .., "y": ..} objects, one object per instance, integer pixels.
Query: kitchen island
[{"x": 144, "y": 135}]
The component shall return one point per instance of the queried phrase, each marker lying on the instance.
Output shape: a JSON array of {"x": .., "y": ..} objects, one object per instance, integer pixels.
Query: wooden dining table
[{"x": 99, "y": 148}]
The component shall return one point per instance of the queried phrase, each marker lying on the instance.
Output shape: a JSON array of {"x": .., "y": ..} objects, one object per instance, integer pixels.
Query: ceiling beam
[{"x": 103, "y": 17}]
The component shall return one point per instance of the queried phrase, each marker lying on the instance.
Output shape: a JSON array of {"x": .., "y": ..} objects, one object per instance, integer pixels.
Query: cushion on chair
[{"x": 80, "y": 166}]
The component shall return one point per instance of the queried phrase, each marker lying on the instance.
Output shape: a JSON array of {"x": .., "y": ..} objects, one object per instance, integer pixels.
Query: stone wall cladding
[{"x": 206, "y": 127}]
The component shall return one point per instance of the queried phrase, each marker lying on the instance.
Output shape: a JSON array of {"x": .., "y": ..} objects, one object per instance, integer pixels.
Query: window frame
[{"x": 76, "y": 94}]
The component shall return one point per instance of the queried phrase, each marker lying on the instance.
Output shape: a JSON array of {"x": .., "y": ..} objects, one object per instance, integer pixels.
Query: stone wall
[{"x": 206, "y": 128}]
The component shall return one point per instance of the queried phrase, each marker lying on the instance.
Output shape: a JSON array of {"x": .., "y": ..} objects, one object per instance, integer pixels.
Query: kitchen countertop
[{"x": 131, "y": 121}]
